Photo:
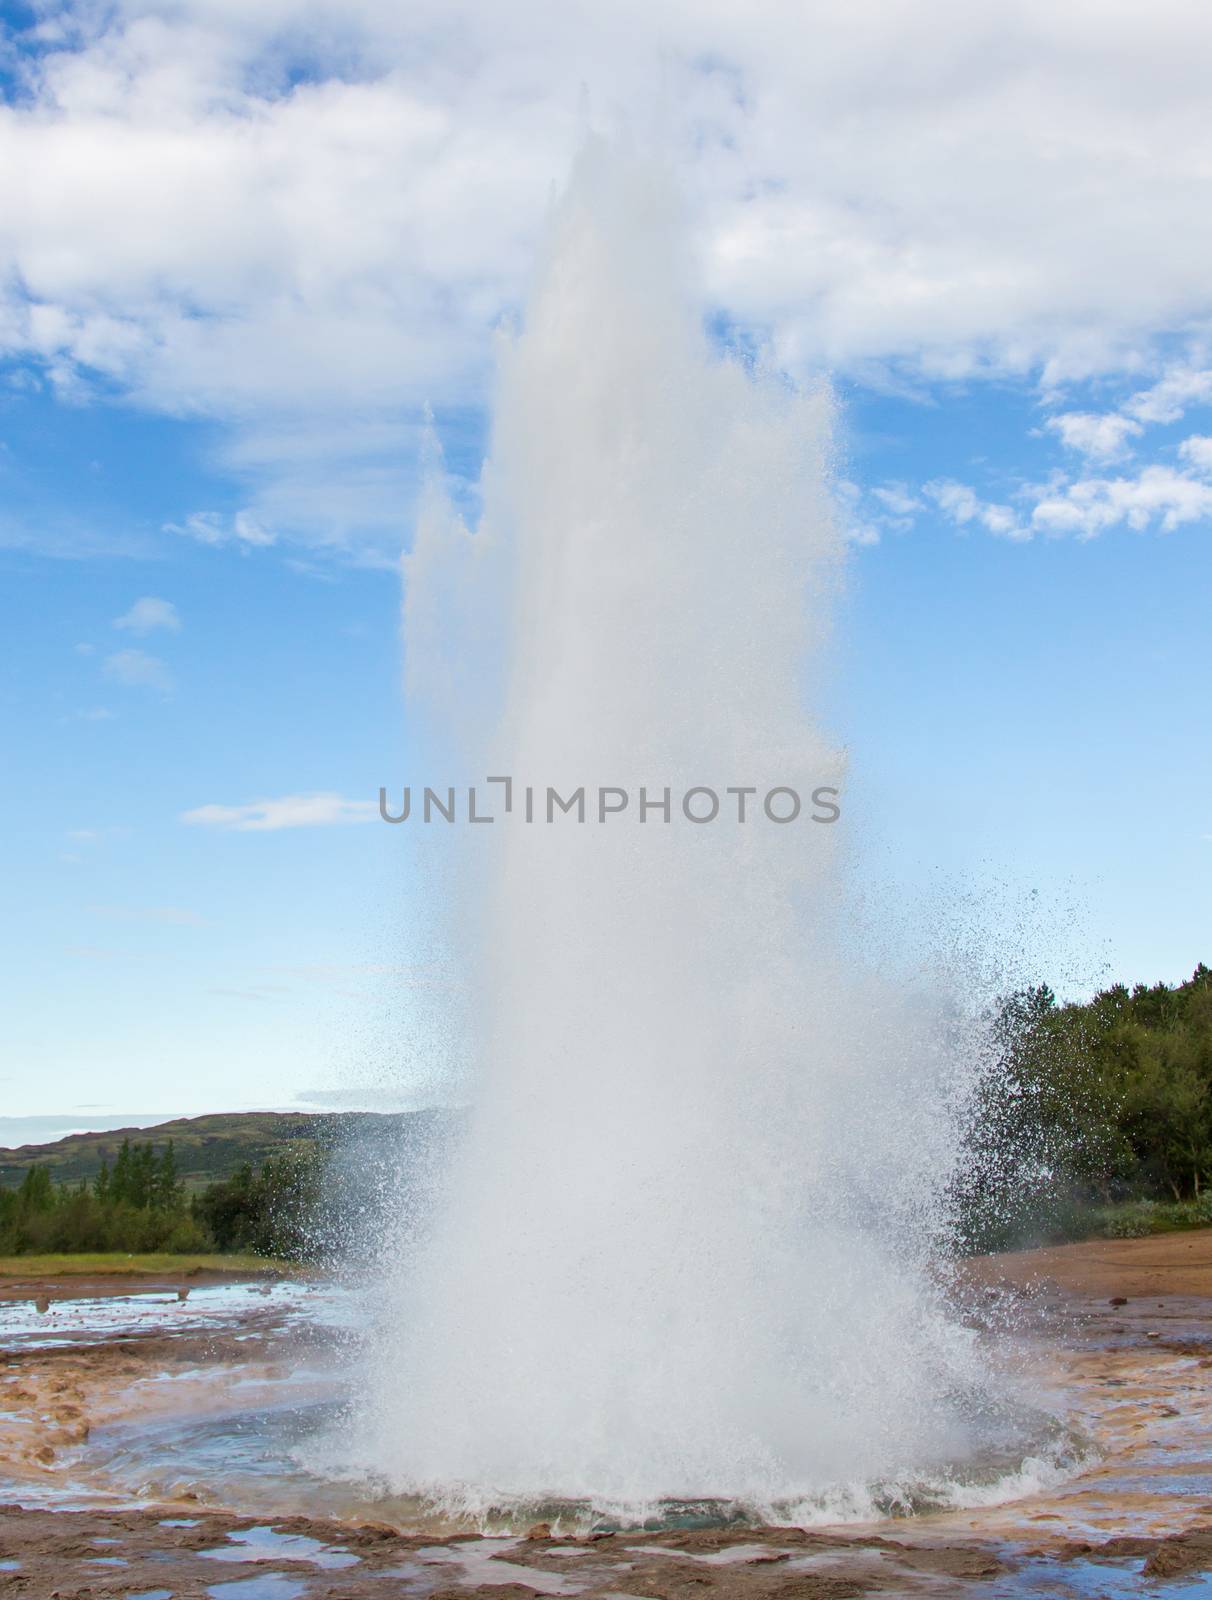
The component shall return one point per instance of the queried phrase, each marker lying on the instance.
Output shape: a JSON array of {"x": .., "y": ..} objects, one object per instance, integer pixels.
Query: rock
[
  {"x": 42, "y": 1303},
  {"x": 540, "y": 1530},
  {"x": 1165, "y": 1562},
  {"x": 1118, "y": 1300},
  {"x": 951, "y": 1561}
]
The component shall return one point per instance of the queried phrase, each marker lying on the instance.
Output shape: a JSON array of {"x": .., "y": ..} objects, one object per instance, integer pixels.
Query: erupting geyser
[{"x": 688, "y": 1246}]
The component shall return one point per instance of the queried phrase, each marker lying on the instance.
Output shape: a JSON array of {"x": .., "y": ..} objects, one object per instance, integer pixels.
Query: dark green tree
[
  {"x": 36, "y": 1196},
  {"x": 120, "y": 1184},
  {"x": 166, "y": 1192}
]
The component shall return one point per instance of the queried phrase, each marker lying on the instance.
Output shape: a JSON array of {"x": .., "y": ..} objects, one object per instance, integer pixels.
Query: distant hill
[{"x": 207, "y": 1148}]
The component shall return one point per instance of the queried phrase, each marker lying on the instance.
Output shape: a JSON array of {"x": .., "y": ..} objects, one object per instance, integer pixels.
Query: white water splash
[{"x": 687, "y": 1247}]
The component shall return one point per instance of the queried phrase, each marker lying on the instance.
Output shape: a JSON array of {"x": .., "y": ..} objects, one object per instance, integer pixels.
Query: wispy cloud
[
  {"x": 291, "y": 811},
  {"x": 262, "y": 992},
  {"x": 135, "y": 669},
  {"x": 93, "y": 952},
  {"x": 95, "y": 835},
  {"x": 1179, "y": 388},
  {"x": 174, "y": 916},
  {"x": 148, "y": 614},
  {"x": 896, "y": 499},
  {"x": 869, "y": 513},
  {"x": 963, "y": 506},
  {"x": 211, "y": 527}
]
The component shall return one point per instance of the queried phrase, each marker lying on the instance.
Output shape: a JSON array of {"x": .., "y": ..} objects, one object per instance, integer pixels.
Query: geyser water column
[{"x": 685, "y": 1248}]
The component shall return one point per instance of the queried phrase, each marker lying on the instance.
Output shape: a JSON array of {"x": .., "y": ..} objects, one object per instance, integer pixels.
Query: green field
[{"x": 96, "y": 1265}]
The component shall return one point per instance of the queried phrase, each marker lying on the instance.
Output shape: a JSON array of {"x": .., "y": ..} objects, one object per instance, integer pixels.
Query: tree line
[
  {"x": 1092, "y": 1116},
  {"x": 140, "y": 1205},
  {"x": 1095, "y": 1116}
]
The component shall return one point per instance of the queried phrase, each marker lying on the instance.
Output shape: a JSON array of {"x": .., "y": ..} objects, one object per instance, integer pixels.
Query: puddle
[
  {"x": 1093, "y": 1580},
  {"x": 263, "y": 1544},
  {"x": 715, "y": 1558},
  {"x": 211, "y": 1307},
  {"x": 270, "y": 1586},
  {"x": 416, "y": 1579},
  {"x": 478, "y": 1566}
]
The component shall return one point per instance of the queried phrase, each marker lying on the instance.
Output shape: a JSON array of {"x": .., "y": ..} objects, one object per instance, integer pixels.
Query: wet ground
[{"x": 148, "y": 1447}]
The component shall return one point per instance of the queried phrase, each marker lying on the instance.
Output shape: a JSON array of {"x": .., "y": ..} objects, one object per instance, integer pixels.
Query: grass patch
[
  {"x": 1071, "y": 1222},
  {"x": 1138, "y": 1219},
  {"x": 98, "y": 1264}
]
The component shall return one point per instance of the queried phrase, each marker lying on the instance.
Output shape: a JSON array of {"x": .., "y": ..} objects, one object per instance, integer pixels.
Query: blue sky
[{"x": 242, "y": 254}]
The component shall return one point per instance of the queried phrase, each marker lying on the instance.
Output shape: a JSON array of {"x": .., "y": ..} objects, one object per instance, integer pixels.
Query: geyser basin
[
  {"x": 689, "y": 1248},
  {"x": 224, "y": 1403}
]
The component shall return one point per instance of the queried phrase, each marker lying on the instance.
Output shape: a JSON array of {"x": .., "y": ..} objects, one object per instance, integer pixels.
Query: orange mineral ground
[
  {"x": 1165, "y": 1264},
  {"x": 119, "y": 1401}
]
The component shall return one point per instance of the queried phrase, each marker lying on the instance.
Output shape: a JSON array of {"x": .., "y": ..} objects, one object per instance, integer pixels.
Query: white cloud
[
  {"x": 963, "y": 506},
  {"x": 291, "y": 811},
  {"x": 868, "y": 514},
  {"x": 1168, "y": 399},
  {"x": 861, "y": 533},
  {"x": 305, "y": 222},
  {"x": 211, "y": 527},
  {"x": 1197, "y": 451},
  {"x": 858, "y": 524},
  {"x": 148, "y": 614},
  {"x": 896, "y": 499},
  {"x": 137, "y": 670},
  {"x": 1158, "y": 495},
  {"x": 1102, "y": 437}
]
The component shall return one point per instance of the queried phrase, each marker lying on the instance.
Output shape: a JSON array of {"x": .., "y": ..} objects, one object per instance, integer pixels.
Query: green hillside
[{"x": 206, "y": 1148}]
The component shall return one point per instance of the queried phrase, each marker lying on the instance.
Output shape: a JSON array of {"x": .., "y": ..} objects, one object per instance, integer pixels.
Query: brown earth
[
  {"x": 1164, "y": 1264},
  {"x": 107, "y": 1554},
  {"x": 1123, "y": 1328}
]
